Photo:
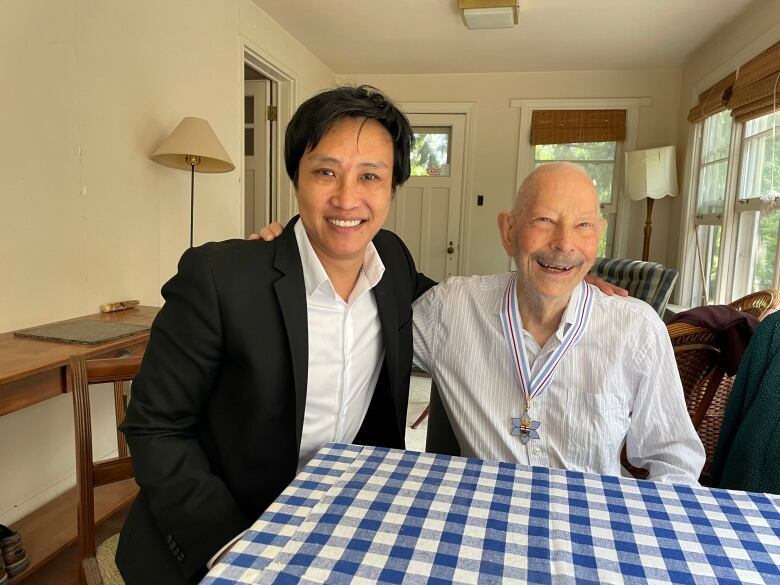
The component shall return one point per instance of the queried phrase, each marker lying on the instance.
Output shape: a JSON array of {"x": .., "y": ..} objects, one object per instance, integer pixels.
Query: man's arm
[
  {"x": 190, "y": 504},
  {"x": 661, "y": 437}
]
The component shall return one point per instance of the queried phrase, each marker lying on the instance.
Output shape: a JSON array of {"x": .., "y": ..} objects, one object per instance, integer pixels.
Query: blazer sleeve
[{"x": 191, "y": 505}]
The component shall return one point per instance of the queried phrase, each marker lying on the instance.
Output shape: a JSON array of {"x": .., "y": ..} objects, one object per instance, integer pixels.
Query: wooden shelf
[{"x": 50, "y": 529}]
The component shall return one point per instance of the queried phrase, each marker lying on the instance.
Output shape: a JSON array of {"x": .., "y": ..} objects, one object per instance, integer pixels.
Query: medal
[{"x": 524, "y": 427}]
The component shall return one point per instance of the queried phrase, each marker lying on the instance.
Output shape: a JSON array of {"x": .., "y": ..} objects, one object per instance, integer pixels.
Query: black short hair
[{"x": 317, "y": 115}]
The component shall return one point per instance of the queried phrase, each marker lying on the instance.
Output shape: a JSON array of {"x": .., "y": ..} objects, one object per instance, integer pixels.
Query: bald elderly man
[{"x": 538, "y": 367}]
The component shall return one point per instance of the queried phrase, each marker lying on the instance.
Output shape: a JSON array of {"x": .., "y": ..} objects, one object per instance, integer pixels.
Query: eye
[
  {"x": 543, "y": 220},
  {"x": 371, "y": 177},
  {"x": 325, "y": 172},
  {"x": 586, "y": 224}
]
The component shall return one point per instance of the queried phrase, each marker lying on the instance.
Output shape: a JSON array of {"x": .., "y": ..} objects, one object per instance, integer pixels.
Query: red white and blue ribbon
[{"x": 524, "y": 427}]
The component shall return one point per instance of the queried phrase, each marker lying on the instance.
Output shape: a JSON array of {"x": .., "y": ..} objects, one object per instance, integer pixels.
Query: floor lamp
[
  {"x": 650, "y": 174},
  {"x": 193, "y": 146}
]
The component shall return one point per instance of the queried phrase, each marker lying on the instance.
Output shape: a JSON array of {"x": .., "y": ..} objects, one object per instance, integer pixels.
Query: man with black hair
[{"x": 265, "y": 351}]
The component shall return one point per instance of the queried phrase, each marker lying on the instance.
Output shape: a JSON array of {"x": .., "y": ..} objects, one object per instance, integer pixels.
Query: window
[
  {"x": 756, "y": 210},
  {"x": 431, "y": 151},
  {"x": 713, "y": 165},
  {"x": 736, "y": 229},
  {"x": 599, "y": 160}
]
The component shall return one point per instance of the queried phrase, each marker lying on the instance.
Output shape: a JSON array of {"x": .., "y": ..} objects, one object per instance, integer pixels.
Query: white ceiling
[{"x": 428, "y": 36}]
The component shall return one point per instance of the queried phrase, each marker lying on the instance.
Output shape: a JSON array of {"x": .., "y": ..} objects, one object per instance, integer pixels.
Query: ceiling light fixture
[{"x": 478, "y": 14}]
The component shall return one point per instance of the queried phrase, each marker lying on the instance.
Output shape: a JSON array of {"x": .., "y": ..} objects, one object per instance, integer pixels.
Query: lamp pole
[
  {"x": 193, "y": 160},
  {"x": 648, "y": 229}
]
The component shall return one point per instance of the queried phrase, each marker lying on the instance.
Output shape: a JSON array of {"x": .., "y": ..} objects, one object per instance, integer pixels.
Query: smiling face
[
  {"x": 344, "y": 190},
  {"x": 553, "y": 233}
]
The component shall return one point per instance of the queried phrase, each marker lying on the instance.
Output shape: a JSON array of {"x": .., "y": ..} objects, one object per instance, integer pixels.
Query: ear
[{"x": 505, "y": 225}]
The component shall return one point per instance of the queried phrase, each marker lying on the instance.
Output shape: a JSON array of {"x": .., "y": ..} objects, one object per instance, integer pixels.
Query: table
[
  {"x": 32, "y": 371},
  {"x": 366, "y": 515}
]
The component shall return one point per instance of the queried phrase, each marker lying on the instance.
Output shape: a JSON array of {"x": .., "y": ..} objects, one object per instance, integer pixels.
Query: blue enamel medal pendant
[{"x": 525, "y": 428}]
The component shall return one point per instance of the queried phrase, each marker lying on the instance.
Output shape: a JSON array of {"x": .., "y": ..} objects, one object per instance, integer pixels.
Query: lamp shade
[
  {"x": 651, "y": 173},
  {"x": 193, "y": 137}
]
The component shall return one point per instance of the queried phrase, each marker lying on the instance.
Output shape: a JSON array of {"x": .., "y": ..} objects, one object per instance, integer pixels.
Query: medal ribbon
[{"x": 513, "y": 332}]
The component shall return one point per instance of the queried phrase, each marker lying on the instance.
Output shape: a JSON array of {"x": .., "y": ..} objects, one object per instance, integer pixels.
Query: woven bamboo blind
[
  {"x": 755, "y": 91},
  {"x": 713, "y": 100},
  {"x": 567, "y": 126}
]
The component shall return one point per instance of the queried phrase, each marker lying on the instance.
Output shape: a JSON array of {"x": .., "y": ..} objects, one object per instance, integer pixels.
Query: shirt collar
[
  {"x": 569, "y": 315},
  {"x": 314, "y": 275}
]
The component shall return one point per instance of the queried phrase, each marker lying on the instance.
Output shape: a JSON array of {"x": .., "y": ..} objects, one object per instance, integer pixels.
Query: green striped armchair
[{"x": 649, "y": 281}]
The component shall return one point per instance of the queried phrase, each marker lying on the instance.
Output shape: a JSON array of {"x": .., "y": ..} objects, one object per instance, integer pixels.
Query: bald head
[
  {"x": 553, "y": 232},
  {"x": 563, "y": 177}
]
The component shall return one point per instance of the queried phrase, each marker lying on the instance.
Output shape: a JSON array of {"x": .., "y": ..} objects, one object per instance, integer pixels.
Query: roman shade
[
  {"x": 755, "y": 91},
  {"x": 713, "y": 100},
  {"x": 570, "y": 126}
]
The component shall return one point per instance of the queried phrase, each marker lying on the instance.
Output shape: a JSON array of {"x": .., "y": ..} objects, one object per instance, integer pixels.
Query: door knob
[{"x": 450, "y": 249}]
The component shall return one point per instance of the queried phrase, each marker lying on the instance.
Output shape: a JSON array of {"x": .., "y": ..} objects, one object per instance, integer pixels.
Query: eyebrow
[{"x": 332, "y": 160}]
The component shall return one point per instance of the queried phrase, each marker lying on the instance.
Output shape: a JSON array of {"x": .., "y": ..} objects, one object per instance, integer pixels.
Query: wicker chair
[
  {"x": 759, "y": 304},
  {"x": 705, "y": 388}
]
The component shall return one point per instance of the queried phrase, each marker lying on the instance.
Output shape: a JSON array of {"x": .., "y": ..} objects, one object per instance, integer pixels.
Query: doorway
[
  {"x": 269, "y": 95},
  {"x": 260, "y": 148},
  {"x": 426, "y": 211}
]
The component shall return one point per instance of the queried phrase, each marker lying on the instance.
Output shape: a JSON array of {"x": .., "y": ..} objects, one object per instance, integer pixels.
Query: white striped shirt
[{"x": 619, "y": 383}]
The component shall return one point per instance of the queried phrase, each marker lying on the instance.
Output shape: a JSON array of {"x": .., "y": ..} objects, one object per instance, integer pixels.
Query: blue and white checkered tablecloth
[{"x": 368, "y": 515}]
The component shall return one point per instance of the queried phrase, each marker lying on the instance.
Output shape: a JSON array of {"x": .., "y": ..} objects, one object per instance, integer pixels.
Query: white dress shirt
[
  {"x": 345, "y": 350},
  {"x": 619, "y": 383}
]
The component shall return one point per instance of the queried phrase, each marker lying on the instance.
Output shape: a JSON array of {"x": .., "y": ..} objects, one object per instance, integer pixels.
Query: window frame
[
  {"x": 736, "y": 261},
  {"x": 525, "y": 151}
]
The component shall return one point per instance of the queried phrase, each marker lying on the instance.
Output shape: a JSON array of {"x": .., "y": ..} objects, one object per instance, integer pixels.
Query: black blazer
[{"x": 214, "y": 424}]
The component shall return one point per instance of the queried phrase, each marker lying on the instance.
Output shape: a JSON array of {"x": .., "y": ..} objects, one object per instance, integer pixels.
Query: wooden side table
[{"x": 32, "y": 371}]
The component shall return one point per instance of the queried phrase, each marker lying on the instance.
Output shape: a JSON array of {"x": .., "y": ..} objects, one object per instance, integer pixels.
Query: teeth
[
  {"x": 555, "y": 268},
  {"x": 344, "y": 222}
]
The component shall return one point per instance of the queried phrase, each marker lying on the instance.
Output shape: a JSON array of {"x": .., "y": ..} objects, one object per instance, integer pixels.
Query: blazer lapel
[
  {"x": 388, "y": 318},
  {"x": 291, "y": 295}
]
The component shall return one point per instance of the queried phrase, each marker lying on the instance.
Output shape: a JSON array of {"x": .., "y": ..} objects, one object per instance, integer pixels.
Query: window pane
[
  {"x": 716, "y": 137},
  {"x": 431, "y": 152},
  {"x": 712, "y": 187},
  {"x": 760, "y": 159},
  {"x": 761, "y": 124},
  {"x": 709, "y": 247},
  {"x": 756, "y": 251},
  {"x": 576, "y": 152}
]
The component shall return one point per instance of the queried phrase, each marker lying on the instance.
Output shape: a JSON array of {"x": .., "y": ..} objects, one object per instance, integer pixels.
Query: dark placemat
[{"x": 84, "y": 331}]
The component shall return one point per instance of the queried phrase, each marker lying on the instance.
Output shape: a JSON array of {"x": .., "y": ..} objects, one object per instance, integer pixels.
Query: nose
[
  {"x": 346, "y": 194},
  {"x": 563, "y": 238}
]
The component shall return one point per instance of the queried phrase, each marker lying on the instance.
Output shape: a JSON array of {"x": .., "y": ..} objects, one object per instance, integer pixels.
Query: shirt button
[{"x": 536, "y": 451}]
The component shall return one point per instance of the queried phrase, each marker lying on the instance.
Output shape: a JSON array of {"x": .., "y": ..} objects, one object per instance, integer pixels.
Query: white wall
[
  {"x": 742, "y": 39},
  {"x": 494, "y": 165},
  {"x": 89, "y": 89}
]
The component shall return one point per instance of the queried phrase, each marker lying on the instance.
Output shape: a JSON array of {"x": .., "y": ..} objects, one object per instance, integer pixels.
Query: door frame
[
  {"x": 467, "y": 178},
  {"x": 282, "y": 191}
]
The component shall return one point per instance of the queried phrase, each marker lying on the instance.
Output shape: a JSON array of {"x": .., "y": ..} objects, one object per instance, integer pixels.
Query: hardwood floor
[{"x": 63, "y": 570}]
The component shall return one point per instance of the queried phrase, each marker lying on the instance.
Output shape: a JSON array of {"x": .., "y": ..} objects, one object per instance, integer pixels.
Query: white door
[
  {"x": 257, "y": 154},
  {"x": 425, "y": 212}
]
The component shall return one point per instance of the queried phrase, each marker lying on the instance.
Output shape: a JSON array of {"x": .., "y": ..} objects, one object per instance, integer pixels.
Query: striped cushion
[{"x": 649, "y": 281}]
